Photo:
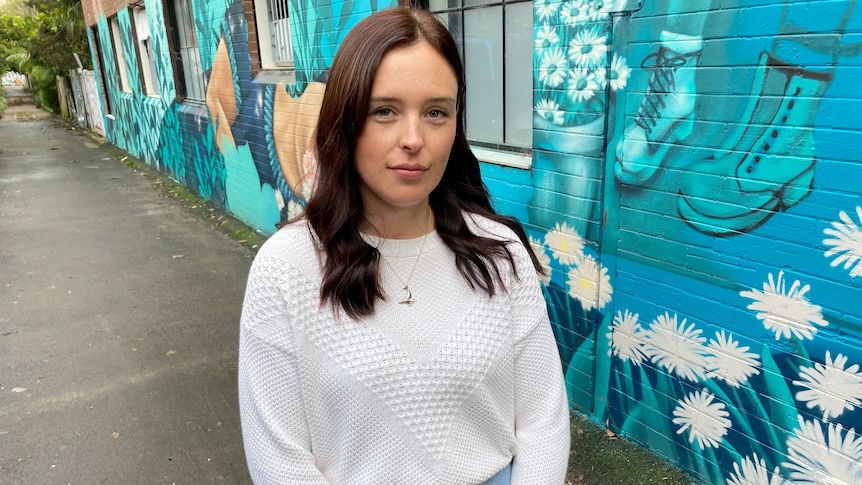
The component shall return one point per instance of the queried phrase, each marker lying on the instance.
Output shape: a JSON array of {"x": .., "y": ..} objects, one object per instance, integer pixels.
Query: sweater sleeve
[
  {"x": 274, "y": 425},
  {"x": 541, "y": 406}
]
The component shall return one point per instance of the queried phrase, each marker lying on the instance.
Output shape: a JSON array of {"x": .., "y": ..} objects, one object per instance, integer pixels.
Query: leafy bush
[
  {"x": 2, "y": 103},
  {"x": 45, "y": 89}
]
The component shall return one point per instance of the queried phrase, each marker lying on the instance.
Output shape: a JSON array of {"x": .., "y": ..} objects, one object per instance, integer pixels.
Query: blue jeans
[{"x": 503, "y": 477}]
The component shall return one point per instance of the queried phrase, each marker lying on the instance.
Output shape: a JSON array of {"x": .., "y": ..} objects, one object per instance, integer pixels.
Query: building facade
[{"x": 689, "y": 172}]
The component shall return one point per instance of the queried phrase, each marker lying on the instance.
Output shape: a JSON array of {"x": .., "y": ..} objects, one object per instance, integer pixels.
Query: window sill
[
  {"x": 276, "y": 76},
  {"x": 507, "y": 159}
]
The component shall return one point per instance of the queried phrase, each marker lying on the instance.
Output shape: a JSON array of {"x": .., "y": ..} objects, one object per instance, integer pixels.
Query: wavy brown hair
[{"x": 335, "y": 210}]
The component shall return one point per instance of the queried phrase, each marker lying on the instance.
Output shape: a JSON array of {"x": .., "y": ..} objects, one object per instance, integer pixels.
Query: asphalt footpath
[{"x": 119, "y": 313}]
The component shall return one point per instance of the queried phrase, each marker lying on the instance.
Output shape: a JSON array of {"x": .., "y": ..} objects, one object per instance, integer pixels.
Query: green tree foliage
[
  {"x": 40, "y": 37},
  {"x": 15, "y": 32},
  {"x": 61, "y": 32}
]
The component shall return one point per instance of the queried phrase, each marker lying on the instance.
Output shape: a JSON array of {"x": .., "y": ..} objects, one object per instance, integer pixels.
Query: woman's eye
[
  {"x": 384, "y": 112},
  {"x": 436, "y": 113}
]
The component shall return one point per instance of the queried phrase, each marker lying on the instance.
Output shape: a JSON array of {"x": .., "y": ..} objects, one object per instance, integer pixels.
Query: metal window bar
[
  {"x": 188, "y": 50},
  {"x": 282, "y": 47},
  {"x": 456, "y": 7}
]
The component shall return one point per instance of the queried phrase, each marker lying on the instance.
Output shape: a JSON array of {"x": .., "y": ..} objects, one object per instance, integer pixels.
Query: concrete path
[{"x": 118, "y": 321}]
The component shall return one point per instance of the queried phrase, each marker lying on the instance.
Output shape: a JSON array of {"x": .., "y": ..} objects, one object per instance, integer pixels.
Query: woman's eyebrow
[{"x": 393, "y": 99}]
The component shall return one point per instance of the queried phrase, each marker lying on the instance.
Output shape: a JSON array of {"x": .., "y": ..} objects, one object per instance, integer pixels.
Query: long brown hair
[{"x": 335, "y": 210}]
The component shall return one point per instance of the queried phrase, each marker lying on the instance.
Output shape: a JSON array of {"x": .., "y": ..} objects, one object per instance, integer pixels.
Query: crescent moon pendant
[{"x": 408, "y": 298}]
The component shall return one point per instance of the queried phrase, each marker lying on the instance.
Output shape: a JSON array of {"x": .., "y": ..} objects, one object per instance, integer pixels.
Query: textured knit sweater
[{"x": 447, "y": 390}]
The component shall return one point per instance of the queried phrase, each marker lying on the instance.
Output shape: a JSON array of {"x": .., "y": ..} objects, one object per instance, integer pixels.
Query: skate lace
[{"x": 662, "y": 82}]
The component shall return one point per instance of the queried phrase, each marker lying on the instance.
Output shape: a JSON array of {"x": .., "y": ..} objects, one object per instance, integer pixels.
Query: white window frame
[
  {"x": 275, "y": 44},
  {"x": 187, "y": 50},
  {"x": 119, "y": 54}
]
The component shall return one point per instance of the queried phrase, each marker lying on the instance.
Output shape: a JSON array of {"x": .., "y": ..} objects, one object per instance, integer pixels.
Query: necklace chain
[{"x": 408, "y": 296}]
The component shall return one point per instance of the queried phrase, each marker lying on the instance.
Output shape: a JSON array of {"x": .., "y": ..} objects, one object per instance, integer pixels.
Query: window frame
[
  {"x": 146, "y": 60},
  {"x": 507, "y": 154},
  {"x": 119, "y": 52},
  {"x": 262, "y": 10},
  {"x": 189, "y": 82}
]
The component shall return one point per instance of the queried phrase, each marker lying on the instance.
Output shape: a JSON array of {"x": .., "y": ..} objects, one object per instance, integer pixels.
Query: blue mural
[
  {"x": 694, "y": 195},
  {"x": 704, "y": 309}
]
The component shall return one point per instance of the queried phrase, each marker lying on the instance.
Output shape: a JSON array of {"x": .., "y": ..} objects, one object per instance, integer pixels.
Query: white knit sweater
[{"x": 447, "y": 390}]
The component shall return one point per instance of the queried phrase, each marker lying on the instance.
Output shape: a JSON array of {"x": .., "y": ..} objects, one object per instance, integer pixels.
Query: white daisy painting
[
  {"x": 575, "y": 12},
  {"x": 547, "y": 37},
  {"x": 589, "y": 48},
  {"x": 705, "y": 419},
  {"x": 567, "y": 246},
  {"x": 678, "y": 348},
  {"x": 582, "y": 84},
  {"x": 550, "y": 110},
  {"x": 729, "y": 361},
  {"x": 627, "y": 338},
  {"x": 545, "y": 9},
  {"x": 830, "y": 387},
  {"x": 590, "y": 283},
  {"x": 753, "y": 471},
  {"x": 544, "y": 260},
  {"x": 552, "y": 68},
  {"x": 619, "y": 73},
  {"x": 785, "y": 312},
  {"x": 846, "y": 243},
  {"x": 817, "y": 458}
]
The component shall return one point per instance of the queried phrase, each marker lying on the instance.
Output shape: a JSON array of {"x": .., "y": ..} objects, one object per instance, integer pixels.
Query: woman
[{"x": 397, "y": 333}]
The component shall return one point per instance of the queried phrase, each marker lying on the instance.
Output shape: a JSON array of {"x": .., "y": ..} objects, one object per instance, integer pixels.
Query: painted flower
[
  {"x": 294, "y": 209},
  {"x": 703, "y": 417},
  {"x": 730, "y": 362},
  {"x": 785, "y": 312},
  {"x": 627, "y": 338},
  {"x": 546, "y": 9},
  {"x": 544, "y": 260},
  {"x": 619, "y": 73},
  {"x": 847, "y": 243},
  {"x": 815, "y": 458},
  {"x": 831, "y": 387},
  {"x": 565, "y": 243},
  {"x": 552, "y": 68},
  {"x": 575, "y": 12},
  {"x": 550, "y": 110},
  {"x": 600, "y": 9},
  {"x": 546, "y": 37},
  {"x": 677, "y": 348},
  {"x": 588, "y": 48},
  {"x": 590, "y": 284},
  {"x": 754, "y": 472},
  {"x": 582, "y": 84}
]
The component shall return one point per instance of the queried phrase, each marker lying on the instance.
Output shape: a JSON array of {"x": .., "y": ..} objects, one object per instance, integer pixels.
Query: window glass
[
  {"x": 189, "y": 56},
  {"x": 145, "y": 50},
  {"x": 119, "y": 54},
  {"x": 519, "y": 61},
  {"x": 483, "y": 58},
  {"x": 496, "y": 42}
]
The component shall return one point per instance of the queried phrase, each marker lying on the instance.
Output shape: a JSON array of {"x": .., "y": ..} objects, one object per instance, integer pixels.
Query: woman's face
[{"x": 404, "y": 145}]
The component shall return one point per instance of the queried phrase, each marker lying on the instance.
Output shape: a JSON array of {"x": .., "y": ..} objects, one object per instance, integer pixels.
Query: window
[
  {"x": 119, "y": 54},
  {"x": 99, "y": 63},
  {"x": 276, "y": 48},
  {"x": 495, "y": 38},
  {"x": 187, "y": 55},
  {"x": 145, "y": 49}
]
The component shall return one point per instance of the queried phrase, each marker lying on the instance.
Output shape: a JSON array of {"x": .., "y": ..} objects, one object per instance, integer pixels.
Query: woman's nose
[{"x": 411, "y": 134}]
